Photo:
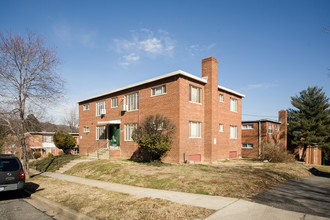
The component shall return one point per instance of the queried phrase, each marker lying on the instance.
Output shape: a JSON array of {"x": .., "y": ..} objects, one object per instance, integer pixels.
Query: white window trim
[
  {"x": 97, "y": 106},
  {"x": 84, "y": 107},
  {"x": 220, "y": 127},
  {"x": 235, "y": 134},
  {"x": 129, "y": 126},
  {"x": 199, "y": 124},
  {"x": 247, "y": 128},
  {"x": 162, "y": 88},
  {"x": 235, "y": 105},
  {"x": 112, "y": 102},
  {"x": 86, "y": 129},
  {"x": 98, "y": 132},
  {"x": 137, "y": 101},
  {"x": 248, "y": 146},
  {"x": 270, "y": 129},
  {"x": 221, "y": 98},
  {"x": 200, "y": 94}
]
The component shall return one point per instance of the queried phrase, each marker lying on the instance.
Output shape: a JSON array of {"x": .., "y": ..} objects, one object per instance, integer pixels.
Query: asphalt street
[
  {"x": 309, "y": 195},
  {"x": 14, "y": 207}
]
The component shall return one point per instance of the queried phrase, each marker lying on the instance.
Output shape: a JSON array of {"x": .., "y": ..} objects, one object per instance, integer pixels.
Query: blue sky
[{"x": 267, "y": 50}]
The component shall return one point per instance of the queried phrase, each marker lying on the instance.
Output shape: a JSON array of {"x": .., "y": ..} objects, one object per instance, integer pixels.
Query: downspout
[{"x": 259, "y": 137}]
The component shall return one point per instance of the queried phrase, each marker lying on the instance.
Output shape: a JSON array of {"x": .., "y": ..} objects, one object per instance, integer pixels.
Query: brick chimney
[
  {"x": 283, "y": 118},
  {"x": 210, "y": 70}
]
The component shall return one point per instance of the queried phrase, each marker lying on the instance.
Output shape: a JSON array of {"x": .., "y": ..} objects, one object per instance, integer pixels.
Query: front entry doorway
[{"x": 114, "y": 136}]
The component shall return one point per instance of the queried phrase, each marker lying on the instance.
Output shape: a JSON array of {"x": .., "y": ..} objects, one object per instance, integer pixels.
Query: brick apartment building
[
  {"x": 207, "y": 116},
  {"x": 259, "y": 132},
  {"x": 38, "y": 141}
]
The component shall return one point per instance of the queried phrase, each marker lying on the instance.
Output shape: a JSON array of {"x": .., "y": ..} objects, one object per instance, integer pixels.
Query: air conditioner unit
[
  {"x": 103, "y": 111},
  {"x": 124, "y": 108}
]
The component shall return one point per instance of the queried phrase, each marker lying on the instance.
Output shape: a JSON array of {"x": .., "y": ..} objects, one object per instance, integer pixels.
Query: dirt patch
[{"x": 102, "y": 204}]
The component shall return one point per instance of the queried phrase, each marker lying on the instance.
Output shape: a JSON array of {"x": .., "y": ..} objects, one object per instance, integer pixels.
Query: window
[
  {"x": 86, "y": 129},
  {"x": 47, "y": 138},
  {"x": 129, "y": 128},
  {"x": 195, "y": 129},
  {"x": 100, "y": 133},
  {"x": 100, "y": 108},
  {"x": 158, "y": 90},
  {"x": 195, "y": 94},
  {"x": 270, "y": 129},
  {"x": 221, "y": 98},
  {"x": 114, "y": 102},
  {"x": 86, "y": 107},
  {"x": 220, "y": 127},
  {"x": 233, "y": 105},
  {"x": 277, "y": 127},
  {"x": 132, "y": 101},
  {"x": 249, "y": 126},
  {"x": 233, "y": 132},
  {"x": 248, "y": 146}
]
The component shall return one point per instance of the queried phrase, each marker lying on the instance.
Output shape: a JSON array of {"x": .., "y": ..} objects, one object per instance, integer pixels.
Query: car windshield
[{"x": 8, "y": 164}]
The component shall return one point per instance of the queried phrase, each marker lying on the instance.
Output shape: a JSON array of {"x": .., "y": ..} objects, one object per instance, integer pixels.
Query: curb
[{"x": 54, "y": 209}]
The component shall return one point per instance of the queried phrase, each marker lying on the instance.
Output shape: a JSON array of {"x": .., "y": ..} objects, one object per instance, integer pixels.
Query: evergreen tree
[
  {"x": 64, "y": 141},
  {"x": 32, "y": 123},
  {"x": 309, "y": 121}
]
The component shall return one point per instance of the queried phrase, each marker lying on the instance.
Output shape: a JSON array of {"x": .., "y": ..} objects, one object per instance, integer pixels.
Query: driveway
[{"x": 309, "y": 195}]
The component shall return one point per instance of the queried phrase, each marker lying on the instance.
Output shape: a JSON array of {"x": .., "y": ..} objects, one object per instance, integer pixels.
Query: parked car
[{"x": 12, "y": 177}]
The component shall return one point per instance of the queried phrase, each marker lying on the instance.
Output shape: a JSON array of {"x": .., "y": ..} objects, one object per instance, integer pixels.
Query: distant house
[
  {"x": 39, "y": 141},
  {"x": 313, "y": 154},
  {"x": 259, "y": 132},
  {"x": 207, "y": 116}
]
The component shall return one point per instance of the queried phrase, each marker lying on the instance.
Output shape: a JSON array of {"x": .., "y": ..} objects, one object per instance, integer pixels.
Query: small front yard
[
  {"x": 102, "y": 204},
  {"x": 231, "y": 178},
  {"x": 51, "y": 164}
]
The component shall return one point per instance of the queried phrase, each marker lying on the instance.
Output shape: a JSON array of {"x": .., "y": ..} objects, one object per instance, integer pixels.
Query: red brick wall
[{"x": 251, "y": 136}]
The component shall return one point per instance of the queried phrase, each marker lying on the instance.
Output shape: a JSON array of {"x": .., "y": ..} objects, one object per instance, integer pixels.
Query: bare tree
[
  {"x": 28, "y": 77},
  {"x": 71, "y": 119}
]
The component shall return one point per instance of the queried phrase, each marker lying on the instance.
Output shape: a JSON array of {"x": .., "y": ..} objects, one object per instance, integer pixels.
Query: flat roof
[
  {"x": 178, "y": 72},
  {"x": 263, "y": 120}
]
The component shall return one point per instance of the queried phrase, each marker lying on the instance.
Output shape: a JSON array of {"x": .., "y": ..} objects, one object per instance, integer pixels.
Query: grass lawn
[
  {"x": 232, "y": 178},
  {"x": 102, "y": 204},
  {"x": 51, "y": 164}
]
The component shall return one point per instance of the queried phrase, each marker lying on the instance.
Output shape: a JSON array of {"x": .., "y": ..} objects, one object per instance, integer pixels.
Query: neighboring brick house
[
  {"x": 259, "y": 132},
  {"x": 42, "y": 142},
  {"x": 313, "y": 154},
  {"x": 207, "y": 116}
]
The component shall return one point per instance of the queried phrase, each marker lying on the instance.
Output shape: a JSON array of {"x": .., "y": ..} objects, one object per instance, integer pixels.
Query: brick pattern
[{"x": 175, "y": 105}]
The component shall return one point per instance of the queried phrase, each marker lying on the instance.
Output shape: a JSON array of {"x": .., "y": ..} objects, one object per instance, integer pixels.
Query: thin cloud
[
  {"x": 144, "y": 43},
  {"x": 259, "y": 86},
  {"x": 196, "y": 48}
]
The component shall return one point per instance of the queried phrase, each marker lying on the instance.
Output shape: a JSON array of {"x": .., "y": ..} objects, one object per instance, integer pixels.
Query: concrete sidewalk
[{"x": 226, "y": 208}]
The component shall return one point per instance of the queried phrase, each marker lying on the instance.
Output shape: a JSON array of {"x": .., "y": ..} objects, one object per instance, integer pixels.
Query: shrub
[
  {"x": 50, "y": 154},
  {"x": 37, "y": 154},
  {"x": 64, "y": 141},
  {"x": 274, "y": 154},
  {"x": 154, "y": 137}
]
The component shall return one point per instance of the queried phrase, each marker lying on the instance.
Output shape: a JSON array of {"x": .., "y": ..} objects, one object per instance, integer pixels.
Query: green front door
[{"x": 114, "y": 135}]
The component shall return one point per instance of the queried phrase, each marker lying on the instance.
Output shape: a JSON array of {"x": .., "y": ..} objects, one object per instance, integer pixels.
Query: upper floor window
[
  {"x": 248, "y": 146},
  {"x": 100, "y": 108},
  {"x": 277, "y": 127},
  {"x": 270, "y": 129},
  {"x": 195, "y": 129},
  {"x": 129, "y": 128},
  {"x": 86, "y": 129},
  {"x": 220, "y": 127},
  {"x": 233, "y": 132},
  {"x": 249, "y": 126},
  {"x": 158, "y": 90},
  {"x": 195, "y": 94},
  {"x": 86, "y": 107},
  {"x": 114, "y": 102},
  {"x": 221, "y": 98},
  {"x": 233, "y": 105},
  {"x": 100, "y": 133},
  {"x": 132, "y": 101},
  {"x": 47, "y": 138}
]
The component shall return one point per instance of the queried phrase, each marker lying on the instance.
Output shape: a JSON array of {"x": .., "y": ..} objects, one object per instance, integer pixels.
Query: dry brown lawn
[
  {"x": 102, "y": 204},
  {"x": 232, "y": 178}
]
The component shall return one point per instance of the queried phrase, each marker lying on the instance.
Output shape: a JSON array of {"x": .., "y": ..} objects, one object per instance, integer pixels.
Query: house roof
[
  {"x": 263, "y": 120},
  {"x": 178, "y": 72}
]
